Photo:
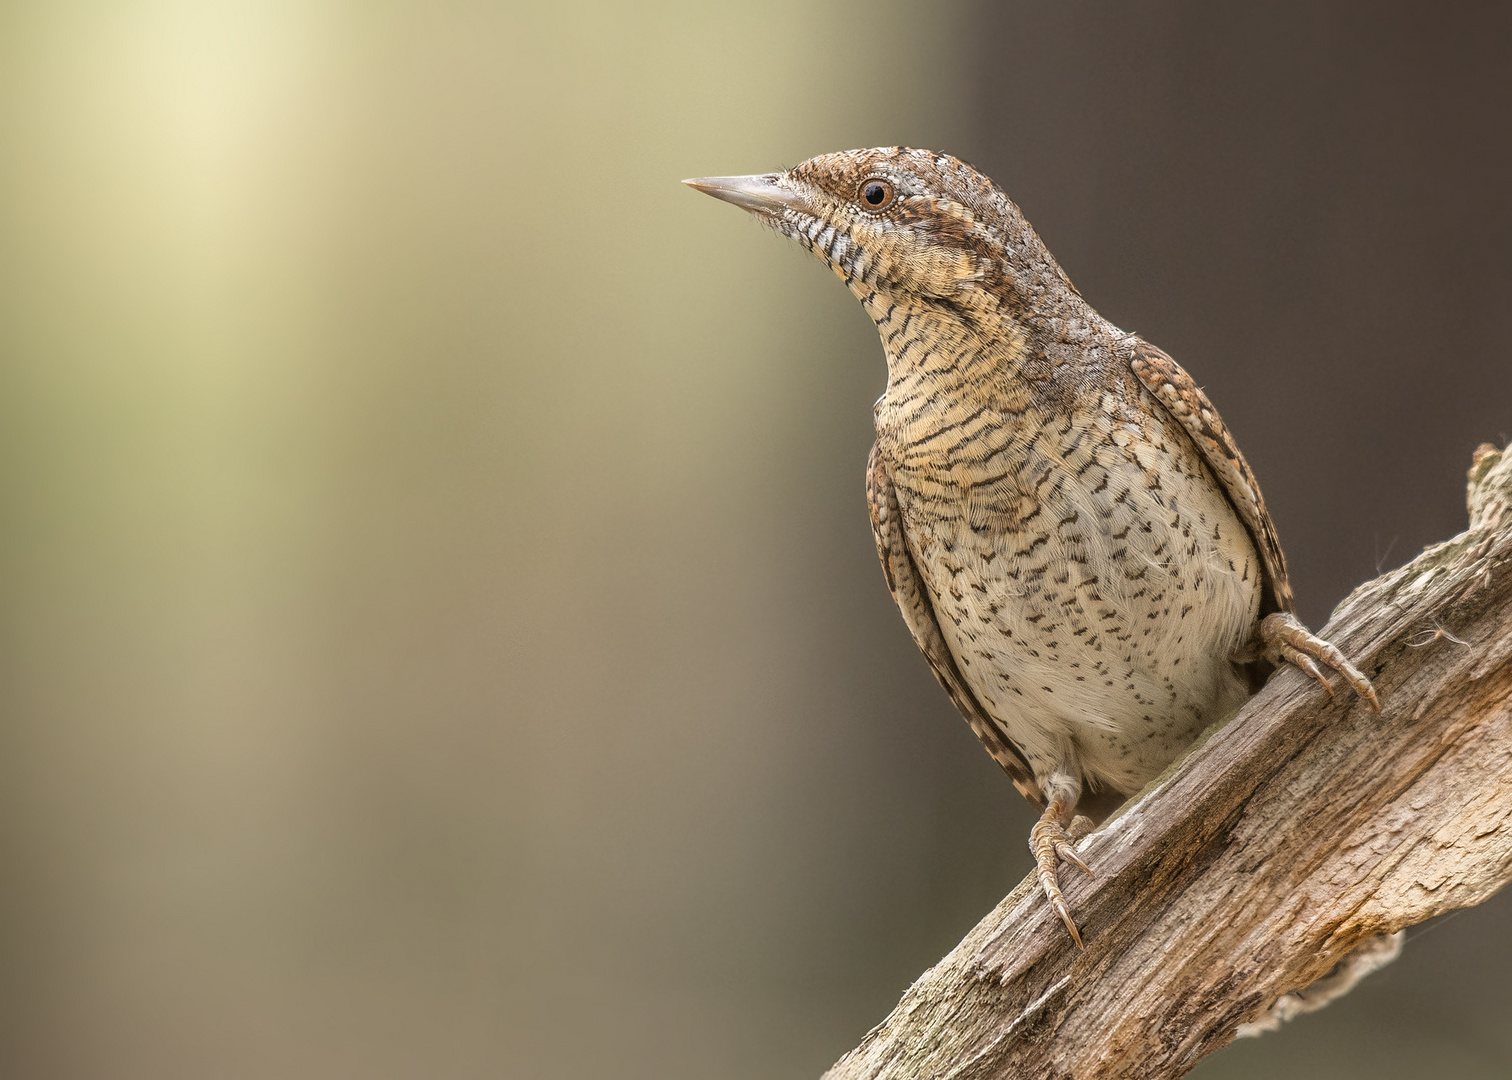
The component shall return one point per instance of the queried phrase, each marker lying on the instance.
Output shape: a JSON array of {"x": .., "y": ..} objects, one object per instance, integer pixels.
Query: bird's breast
[{"x": 1090, "y": 576}]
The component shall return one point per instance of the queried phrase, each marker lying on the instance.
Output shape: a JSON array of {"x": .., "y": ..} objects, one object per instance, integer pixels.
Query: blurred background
[{"x": 440, "y": 633}]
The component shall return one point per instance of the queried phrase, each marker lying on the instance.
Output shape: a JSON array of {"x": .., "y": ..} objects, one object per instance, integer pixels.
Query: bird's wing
[
  {"x": 1185, "y": 401},
  {"x": 913, "y": 601}
]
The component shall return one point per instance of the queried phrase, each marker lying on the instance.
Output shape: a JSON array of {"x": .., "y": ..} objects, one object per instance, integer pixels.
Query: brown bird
[{"x": 1080, "y": 550}]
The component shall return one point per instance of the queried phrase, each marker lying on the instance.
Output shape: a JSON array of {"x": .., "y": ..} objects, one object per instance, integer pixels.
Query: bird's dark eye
[{"x": 876, "y": 194}]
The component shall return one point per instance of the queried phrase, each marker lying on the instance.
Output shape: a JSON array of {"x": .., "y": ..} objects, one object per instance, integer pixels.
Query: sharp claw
[
  {"x": 1284, "y": 639},
  {"x": 1065, "y": 914},
  {"x": 1067, "y": 852},
  {"x": 1303, "y": 661},
  {"x": 1058, "y": 902},
  {"x": 1361, "y": 684},
  {"x": 1050, "y": 843}
]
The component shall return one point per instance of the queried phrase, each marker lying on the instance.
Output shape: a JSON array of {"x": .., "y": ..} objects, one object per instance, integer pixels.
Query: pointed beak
[{"x": 762, "y": 194}]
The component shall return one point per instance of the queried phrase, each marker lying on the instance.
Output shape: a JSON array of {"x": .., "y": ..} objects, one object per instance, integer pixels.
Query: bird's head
[{"x": 898, "y": 224}]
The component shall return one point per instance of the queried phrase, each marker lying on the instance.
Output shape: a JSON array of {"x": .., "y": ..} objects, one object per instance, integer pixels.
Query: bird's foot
[
  {"x": 1050, "y": 841},
  {"x": 1282, "y": 639}
]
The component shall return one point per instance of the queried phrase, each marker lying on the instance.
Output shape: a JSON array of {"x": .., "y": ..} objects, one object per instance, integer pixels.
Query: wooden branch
[{"x": 1298, "y": 830}]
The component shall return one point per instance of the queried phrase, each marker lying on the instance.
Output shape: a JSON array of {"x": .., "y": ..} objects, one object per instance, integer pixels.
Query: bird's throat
[{"x": 936, "y": 354}]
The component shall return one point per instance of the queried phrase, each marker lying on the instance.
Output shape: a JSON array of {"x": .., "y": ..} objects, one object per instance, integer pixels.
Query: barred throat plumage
[{"x": 1071, "y": 535}]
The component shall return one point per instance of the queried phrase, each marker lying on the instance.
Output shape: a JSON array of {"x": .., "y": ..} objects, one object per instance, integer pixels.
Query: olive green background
[{"x": 440, "y": 633}]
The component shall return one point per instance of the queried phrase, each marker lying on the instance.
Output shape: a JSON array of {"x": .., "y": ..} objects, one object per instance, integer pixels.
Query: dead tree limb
[{"x": 1263, "y": 856}]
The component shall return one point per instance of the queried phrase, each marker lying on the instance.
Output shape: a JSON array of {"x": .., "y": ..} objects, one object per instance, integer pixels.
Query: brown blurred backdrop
[{"x": 440, "y": 631}]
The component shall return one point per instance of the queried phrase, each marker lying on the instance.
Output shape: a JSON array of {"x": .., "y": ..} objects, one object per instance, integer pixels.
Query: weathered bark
[{"x": 1264, "y": 855}]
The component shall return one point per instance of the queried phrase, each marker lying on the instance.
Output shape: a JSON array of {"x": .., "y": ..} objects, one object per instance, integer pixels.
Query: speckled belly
[{"x": 1093, "y": 583}]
